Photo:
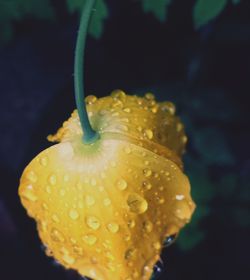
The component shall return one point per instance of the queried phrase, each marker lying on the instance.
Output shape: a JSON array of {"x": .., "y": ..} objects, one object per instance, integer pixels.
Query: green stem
[{"x": 89, "y": 135}]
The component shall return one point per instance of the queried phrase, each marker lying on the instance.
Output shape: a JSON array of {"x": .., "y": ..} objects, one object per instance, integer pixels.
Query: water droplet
[
  {"x": 73, "y": 214},
  {"x": 147, "y": 172},
  {"x": 93, "y": 222},
  {"x": 170, "y": 240},
  {"x": 184, "y": 139},
  {"x": 118, "y": 94},
  {"x": 137, "y": 204},
  {"x": 147, "y": 185},
  {"x": 149, "y": 96},
  {"x": 122, "y": 184},
  {"x": 52, "y": 179},
  {"x": 78, "y": 250},
  {"x": 148, "y": 133},
  {"x": 43, "y": 161},
  {"x": 157, "y": 270},
  {"x": 28, "y": 193},
  {"x": 90, "y": 239},
  {"x": 55, "y": 218},
  {"x": 113, "y": 227},
  {"x": 168, "y": 107},
  {"x": 56, "y": 235},
  {"x": 131, "y": 223},
  {"x": 179, "y": 127},
  {"x": 106, "y": 202},
  {"x": 179, "y": 197},
  {"x": 31, "y": 175},
  {"x": 68, "y": 259},
  {"x": 147, "y": 226},
  {"x": 91, "y": 99},
  {"x": 89, "y": 200}
]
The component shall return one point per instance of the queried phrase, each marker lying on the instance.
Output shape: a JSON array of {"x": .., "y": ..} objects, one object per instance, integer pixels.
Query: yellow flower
[{"x": 105, "y": 209}]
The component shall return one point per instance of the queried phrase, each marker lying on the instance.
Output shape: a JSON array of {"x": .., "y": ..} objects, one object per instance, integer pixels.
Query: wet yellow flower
[{"x": 105, "y": 209}]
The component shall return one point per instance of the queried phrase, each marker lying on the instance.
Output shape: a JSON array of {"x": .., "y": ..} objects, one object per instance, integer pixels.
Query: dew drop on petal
[
  {"x": 148, "y": 133},
  {"x": 31, "y": 175},
  {"x": 147, "y": 172},
  {"x": 170, "y": 240},
  {"x": 122, "y": 184},
  {"x": 93, "y": 222},
  {"x": 43, "y": 161},
  {"x": 89, "y": 239},
  {"x": 147, "y": 226},
  {"x": 28, "y": 193},
  {"x": 73, "y": 214},
  {"x": 56, "y": 235},
  {"x": 113, "y": 227},
  {"x": 137, "y": 204}
]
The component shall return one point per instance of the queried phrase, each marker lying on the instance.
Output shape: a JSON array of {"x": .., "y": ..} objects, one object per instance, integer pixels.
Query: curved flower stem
[{"x": 89, "y": 135}]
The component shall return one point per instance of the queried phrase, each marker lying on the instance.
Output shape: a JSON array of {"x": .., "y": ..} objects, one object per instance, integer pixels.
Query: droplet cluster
[{"x": 107, "y": 209}]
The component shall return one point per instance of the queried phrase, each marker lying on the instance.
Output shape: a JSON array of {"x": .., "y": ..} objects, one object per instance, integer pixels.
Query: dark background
[{"x": 205, "y": 72}]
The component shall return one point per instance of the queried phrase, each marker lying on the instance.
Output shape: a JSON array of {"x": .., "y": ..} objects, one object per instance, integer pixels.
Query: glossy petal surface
[{"x": 105, "y": 209}]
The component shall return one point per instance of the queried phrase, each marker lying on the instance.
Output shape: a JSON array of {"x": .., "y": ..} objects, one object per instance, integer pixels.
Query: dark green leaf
[
  {"x": 157, "y": 7},
  {"x": 13, "y": 10},
  {"x": 100, "y": 14},
  {"x": 206, "y": 10}
]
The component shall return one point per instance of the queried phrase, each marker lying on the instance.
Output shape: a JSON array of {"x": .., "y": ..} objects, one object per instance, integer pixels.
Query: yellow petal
[{"x": 105, "y": 209}]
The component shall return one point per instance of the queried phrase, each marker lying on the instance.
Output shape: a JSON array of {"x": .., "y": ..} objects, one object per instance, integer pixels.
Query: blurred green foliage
[
  {"x": 206, "y": 10},
  {"x": 158, "y": 8},
  {"x": 100, "y": 14},
  {"x": 12, "y": 11},
  {"x": 16, "y": 10}
]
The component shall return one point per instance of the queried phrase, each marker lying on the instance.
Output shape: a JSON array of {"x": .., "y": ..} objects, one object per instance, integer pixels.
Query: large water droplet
[
  {"x": 122, "y": 184},
  {"x": 148, "y": 133},
  {"x": 93, "y": 222},
  {"x": 147, "y": 172},
  {"x": 90, "y": 239},
  {"x": 73, "y": 214},
  {"x": 147, "y": 226},
  {"x": 113, "y": 227},
  {"x": 28, "y": 193},
  {"x": 56, "y": 235},
  {"x": 170, "y": 240},
  {"x": 43, "y": 161},
  {"x": 147, "y": 185},
  {"x": 137, "y": 204},
  {"x": 31, "y": 175},
  {"x": 157, "y": 270},
  {"x": 91, "y": 99}
]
